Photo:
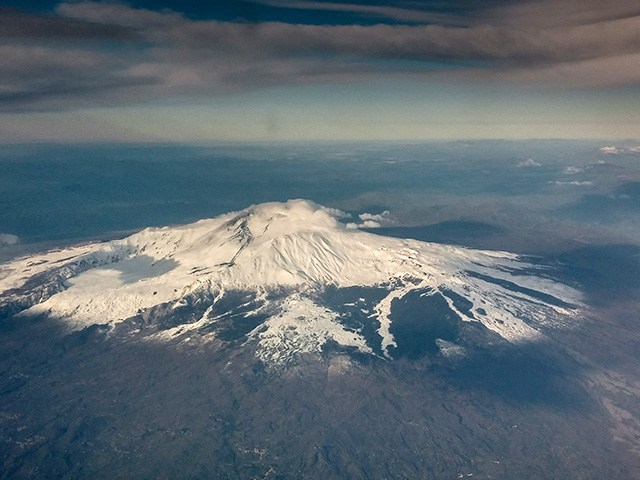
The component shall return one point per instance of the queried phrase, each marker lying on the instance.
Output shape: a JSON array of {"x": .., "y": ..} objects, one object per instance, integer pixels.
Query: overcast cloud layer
[{"x": 103, "y": 54}]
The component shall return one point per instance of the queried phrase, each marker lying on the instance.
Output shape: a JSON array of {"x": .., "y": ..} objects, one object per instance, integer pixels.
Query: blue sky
[{"x": 318, "y": 70}]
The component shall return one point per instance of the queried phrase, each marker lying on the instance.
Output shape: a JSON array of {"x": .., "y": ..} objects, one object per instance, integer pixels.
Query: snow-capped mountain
[{"x": 287, "y": 278}]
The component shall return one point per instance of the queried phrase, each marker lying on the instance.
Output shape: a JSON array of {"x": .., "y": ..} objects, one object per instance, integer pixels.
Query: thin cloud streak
[
  {"x": 17, "y": 25},
  {"x": 482, "y": 42},
  {"x": 409, "y": 15},
  {"x": 560, "y": 13}
]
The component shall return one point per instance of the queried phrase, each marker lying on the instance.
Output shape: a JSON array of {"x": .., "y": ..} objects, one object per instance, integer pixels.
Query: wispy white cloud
[
  {"x": 610, "y": 150},
  {"x": 407, "y": 13},
  {"x": 7, "y": 239},
  {"x": 372, "y": 220},
  {"x": 336, "y": 213},
  {"x": 574, "y": 183},
  {"x": 559, "y": 13},
  {"x": 529, "y": 163},
  {"x": 376, "y": 217}
]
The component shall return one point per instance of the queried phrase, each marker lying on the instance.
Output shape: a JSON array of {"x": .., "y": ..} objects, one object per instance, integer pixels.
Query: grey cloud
[
  {"x": 595, "y": 72},
  {"x": 605, "y": 54},
  {"x": 401, "y": 13},
  {"x": 176, "y": 73},
  {"x": 444, "y": 12},
  {"x": 15, "y": 24},
  {"x": 49, "y": 62},
  {"x": 489, "y": 41},
  {"x": 36, "y": 77},
  {"x": 61, "y": 95},
  {"x": 22, "y": 62},
  {"x": 118, "y": 14},
  {"x": 7, "y": 239},
  {"x": 559, "y": 13},
  {"x": 172, "y": 54}
]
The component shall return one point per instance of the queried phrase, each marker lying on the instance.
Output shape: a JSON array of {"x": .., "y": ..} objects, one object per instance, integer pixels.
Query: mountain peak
[
  {"x": 287, "y": 218},
  {"x": 280, "y": 258}
]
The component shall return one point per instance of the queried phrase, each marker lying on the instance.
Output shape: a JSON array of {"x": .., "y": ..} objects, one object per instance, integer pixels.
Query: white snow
[
  {"x": 297, "y": 244},
  {"x": 449, "y": 349},
  {"x": 301, "y": 327}
]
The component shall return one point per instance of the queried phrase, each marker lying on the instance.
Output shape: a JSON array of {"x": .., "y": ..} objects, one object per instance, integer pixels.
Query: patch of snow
[
  {"x": 301, "y": 327},
  {"x": 449, "y": 349}
]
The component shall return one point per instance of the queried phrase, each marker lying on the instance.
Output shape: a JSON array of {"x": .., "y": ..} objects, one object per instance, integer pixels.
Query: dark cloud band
[{"x": 45, "y": 64}]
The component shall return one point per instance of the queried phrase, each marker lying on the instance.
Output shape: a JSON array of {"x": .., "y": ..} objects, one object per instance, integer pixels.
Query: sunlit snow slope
[{"x": 278, "y": 258}]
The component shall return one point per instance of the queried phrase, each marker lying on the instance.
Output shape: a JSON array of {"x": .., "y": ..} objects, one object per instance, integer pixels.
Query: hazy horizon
[{"x": 567, "y": 189}]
